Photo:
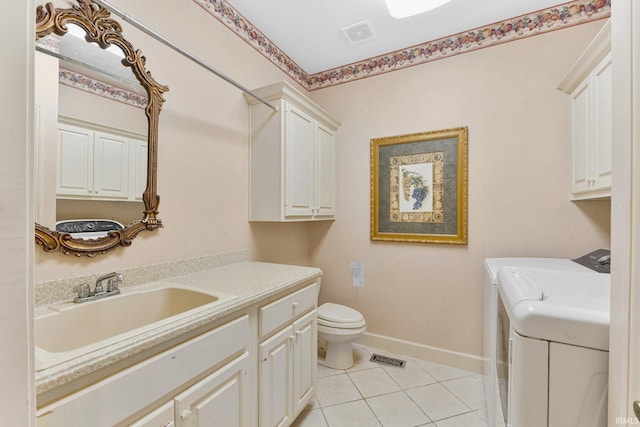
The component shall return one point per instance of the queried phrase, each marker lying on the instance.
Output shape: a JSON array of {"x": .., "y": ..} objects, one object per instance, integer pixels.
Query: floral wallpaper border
[
  {"x": 88, "y": 84},
  {"x": 546, "y": 20},
  {"x": 105, "y": 90}
]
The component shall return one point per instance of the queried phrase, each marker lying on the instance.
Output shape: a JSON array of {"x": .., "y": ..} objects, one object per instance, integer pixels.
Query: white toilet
[{"x": 338, "y": 327}]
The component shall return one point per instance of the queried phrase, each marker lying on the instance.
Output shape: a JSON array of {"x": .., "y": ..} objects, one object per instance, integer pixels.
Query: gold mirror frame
[{"x": 101, "y": 29}]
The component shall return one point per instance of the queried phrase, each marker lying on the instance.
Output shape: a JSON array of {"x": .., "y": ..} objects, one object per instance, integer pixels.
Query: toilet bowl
[{"x": 338, "y": 327}]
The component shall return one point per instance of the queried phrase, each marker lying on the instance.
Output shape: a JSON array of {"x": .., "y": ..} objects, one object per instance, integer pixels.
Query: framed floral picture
[{"x": 419, "y": 187}]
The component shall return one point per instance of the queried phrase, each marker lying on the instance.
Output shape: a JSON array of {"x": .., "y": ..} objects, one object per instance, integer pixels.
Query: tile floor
[{"x": 369, "y": 395}]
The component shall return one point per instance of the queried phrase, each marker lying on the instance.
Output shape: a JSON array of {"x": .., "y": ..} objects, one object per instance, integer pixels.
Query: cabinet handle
[
  {"x": 295, "y": 305},
  {"x": 185, "y": 414}
]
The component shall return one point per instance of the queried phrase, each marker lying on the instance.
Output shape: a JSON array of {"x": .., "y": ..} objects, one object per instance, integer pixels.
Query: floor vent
[{"x": 386, "y": 360}]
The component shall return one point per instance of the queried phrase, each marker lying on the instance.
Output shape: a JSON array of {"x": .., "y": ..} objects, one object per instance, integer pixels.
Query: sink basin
[{"x": 68, "y": 327}]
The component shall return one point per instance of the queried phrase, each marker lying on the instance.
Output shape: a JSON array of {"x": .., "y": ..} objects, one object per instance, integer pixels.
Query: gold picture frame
[{"x": 419, "y": 187}]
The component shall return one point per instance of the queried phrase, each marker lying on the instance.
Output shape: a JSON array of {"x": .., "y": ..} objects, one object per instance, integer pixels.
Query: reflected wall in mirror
[{"x": 96, "y": 118}]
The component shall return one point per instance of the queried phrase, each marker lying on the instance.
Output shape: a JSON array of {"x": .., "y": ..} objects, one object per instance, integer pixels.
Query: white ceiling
[{"x": 309, "y": 31}]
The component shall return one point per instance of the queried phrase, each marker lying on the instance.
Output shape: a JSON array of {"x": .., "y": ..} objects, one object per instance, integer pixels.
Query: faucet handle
[
  {"x": 112, "y": 285},
  {"x": 98, "y": 288},
  {"x": 83, "y": 290}
]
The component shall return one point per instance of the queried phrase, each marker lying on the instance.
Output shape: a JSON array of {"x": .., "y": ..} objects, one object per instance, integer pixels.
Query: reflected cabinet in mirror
[{"x": 96, "y": 133}]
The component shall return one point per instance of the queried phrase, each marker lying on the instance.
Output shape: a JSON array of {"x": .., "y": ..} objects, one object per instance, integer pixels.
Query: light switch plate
[{"x": 357, "y": 273}]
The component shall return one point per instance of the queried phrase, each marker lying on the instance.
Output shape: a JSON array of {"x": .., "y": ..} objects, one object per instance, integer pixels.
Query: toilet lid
[{"x": 337, "y": 313}]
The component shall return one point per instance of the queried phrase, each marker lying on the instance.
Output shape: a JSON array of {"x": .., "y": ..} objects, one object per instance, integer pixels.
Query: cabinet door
[
  {"x": 75, "y": 161},
  {"x": 602, "y": 120},
  {"x": 581, "y": 99},
  {"x": 221, "y": 399},
  {"x": 305, "y": 357},
  {"x": 161, "y": 417},
  {"x": 325, "y": 203},
  {"x": 111, "y": 166},
  {"x": 299, "y": 162},
  {"x": 275, "y": 380},
  {"x": 139, "y": 169}
]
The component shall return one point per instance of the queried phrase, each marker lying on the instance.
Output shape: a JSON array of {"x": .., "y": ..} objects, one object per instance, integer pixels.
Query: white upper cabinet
[
  {"x": 293, "y": 173},
  {"x": 99, "y": 165},
  {"x": 589, "y": 84}
]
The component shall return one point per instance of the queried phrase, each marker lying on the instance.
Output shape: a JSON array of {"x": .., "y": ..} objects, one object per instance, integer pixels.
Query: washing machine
[
  {"x": 88, "y": 229},
  {"x": 552, "y": 342}
]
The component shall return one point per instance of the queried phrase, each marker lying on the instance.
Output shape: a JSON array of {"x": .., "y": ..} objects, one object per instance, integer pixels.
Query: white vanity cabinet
[
  {"x": 225, "y": 394},
  {"x": 221, "y": 399},
  {"x": 256, "y": 366},
  {"x": 589, "y": 85},
  {"x": 98, "y": 165},
  {"x": 288, "y": 357},
  {"x": 292, "y": 158}
]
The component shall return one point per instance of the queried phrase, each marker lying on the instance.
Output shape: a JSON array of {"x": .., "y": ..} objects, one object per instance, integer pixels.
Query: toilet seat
[{"x": 339, "y": 316}]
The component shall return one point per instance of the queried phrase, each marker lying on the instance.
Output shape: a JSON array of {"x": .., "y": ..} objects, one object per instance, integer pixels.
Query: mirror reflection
[
  {"x": 101, "y": 142},
  {"x": 96, "y": 133}
]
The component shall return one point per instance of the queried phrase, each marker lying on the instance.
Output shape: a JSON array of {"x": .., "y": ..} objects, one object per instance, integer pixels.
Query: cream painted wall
[
  {"x": 519, "y": 174},
  {"x": 519, "y": 159},
  {"x": 17, "y": 391},
  {"x": 203, "y": 149}
]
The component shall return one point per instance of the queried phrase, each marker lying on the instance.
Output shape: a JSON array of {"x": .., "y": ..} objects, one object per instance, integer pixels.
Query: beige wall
[
  {"x": 203, "y": 149},
  {"x": 17, "y": 391},
  {"x": 519, "y": 158},
  {"x": 519, "y": 166}
]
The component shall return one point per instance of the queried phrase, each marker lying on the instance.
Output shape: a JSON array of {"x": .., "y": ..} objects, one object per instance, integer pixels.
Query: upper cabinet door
[
  {"x": 299, "y": 167},
  {"x": 111, "y": 166},
  {"x": 602, "y": 119},
  {"x": 325, "y": 172},
  {"x": 581, "y": 98},
  {"x": 75, "y": 161}
]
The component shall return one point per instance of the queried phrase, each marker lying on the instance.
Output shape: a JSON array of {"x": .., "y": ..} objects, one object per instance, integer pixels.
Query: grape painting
[{"x": 413, "y": 180}]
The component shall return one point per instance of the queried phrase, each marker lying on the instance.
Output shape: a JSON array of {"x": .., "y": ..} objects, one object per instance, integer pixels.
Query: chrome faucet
[{"x": 106, "y": 286}]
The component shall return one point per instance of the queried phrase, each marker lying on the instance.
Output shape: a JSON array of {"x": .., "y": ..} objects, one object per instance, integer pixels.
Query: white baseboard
[{"x": 454, "y": 359}]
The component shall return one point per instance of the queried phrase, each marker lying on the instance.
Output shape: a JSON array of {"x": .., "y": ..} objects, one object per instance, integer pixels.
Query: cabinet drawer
[
  {"x": 279, "y": 312},
  {"x": 140, "y": 385}
]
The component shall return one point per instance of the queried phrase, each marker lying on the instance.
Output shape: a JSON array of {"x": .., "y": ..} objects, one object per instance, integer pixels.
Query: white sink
[{"x": 67, "y": 330}]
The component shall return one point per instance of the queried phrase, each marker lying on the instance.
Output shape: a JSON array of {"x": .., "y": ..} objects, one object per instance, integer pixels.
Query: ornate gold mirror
[{"x": 97, "y": 28}]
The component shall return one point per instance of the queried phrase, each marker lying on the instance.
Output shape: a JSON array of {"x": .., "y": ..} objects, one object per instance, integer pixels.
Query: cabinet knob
[
  {"x": 185, "y": 414},
  {"x": 295, "y": 304}
]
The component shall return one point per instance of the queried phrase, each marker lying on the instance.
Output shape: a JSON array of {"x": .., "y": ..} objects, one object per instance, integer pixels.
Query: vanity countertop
[{"x": 250, "y": 282}]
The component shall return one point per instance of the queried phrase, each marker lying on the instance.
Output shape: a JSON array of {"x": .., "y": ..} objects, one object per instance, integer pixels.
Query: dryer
[
  {"x": 490, "y": 326},
  {"x": 553, "y": 331}
]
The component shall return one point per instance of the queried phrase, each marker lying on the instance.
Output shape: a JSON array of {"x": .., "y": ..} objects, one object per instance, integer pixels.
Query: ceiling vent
[{"x": 358, "y": 32}]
